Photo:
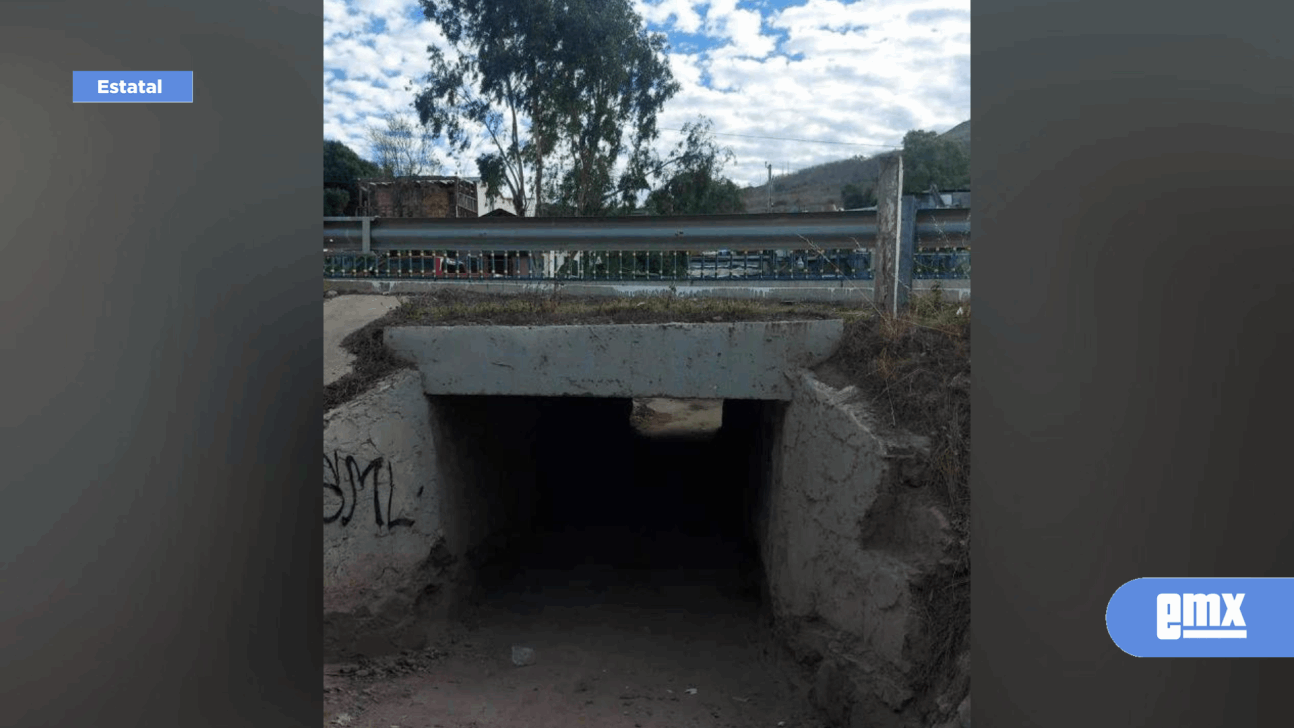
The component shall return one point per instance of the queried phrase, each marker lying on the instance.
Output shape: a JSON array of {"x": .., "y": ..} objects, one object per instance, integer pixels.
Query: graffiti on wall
[{"x": 344, "y": 481}]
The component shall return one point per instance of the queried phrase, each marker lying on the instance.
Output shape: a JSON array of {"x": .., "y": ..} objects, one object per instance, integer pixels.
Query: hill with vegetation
[{"x": 818, "y": 188}]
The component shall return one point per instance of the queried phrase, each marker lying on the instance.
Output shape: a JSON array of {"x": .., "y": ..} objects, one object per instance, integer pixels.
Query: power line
[{"x": 790, "y": 139}]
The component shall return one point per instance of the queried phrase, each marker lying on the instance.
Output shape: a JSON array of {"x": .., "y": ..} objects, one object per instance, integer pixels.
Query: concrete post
[{"x": 889, "y": 223}]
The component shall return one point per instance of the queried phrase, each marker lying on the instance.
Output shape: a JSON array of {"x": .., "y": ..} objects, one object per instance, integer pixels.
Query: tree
[
  {"x": 335, "y": 201},
  {"x": 853, "y": 196},
  {"x": 401, "y": 149},
  {"x": 578, "y": 77},
  {"x": 696, "y": 187},
  {"x": 929, "y": 159},
  {"x": 342, "y": 166},
  {"x": 615, "y": 81}
]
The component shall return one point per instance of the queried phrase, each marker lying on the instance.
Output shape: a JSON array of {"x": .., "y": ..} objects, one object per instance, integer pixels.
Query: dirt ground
[
  {"x": 608, "y": 650},
  {"x": 614, "y": 647}
]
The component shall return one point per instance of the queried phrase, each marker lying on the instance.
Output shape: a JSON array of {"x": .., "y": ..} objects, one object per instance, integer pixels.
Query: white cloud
[
  {"x": 680, "y": 15},
  {"x": 739, "y": 29},
  {"x": 864, "y": 72}
]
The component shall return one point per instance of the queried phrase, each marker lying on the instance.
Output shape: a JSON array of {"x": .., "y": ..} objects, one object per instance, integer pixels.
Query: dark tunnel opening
[{"x": 557, "y": 489}]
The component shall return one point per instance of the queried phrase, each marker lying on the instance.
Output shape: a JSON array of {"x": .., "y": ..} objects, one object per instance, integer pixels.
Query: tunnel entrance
[
  {"x": 576, "y": 500},
  {"x": 621, "y": 560},
  {"x": 503, "y": 499}
]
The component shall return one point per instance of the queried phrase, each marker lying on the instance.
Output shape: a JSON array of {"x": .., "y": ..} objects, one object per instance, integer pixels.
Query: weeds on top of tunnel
[
  {"x": 467, "y": 308},
  {"x": 915, "y": 368}
]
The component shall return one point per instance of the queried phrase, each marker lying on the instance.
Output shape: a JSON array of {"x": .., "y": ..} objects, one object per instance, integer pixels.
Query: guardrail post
[
  {"x": 906, "y": 251},
  {"x": 368, "y": 242}
]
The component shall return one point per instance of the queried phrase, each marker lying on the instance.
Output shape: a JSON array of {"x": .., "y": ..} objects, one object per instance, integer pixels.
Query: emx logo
[
  {"x": 1187, "y": 616},
  {"x": 1211, "y": 617}
]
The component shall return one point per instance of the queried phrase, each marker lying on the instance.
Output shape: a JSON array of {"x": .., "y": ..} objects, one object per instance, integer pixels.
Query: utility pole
[{"x": 770, "y": 185}]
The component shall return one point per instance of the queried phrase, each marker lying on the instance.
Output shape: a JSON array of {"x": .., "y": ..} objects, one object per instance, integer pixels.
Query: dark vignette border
[
  {"x": 1134, "y": 345},
  {"x": 161, "y": 557}
]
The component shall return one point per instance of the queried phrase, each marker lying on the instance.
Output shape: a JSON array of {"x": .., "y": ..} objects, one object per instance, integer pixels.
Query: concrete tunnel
[
  {"x": 510, "y": 454},
  {"x": 543, "y": 469}
]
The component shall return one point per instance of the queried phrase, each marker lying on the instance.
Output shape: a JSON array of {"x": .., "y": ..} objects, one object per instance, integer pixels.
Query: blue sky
[{"x": 855, "y": 74}]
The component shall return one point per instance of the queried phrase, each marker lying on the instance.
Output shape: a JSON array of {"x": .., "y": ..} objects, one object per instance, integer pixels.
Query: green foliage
[
  {"x": 854, "y": 196},
  {"x": 697, "y": 188},
  {"x": 335, "y": 200},
  {"x": 584, "y": 73},
  {"x": 928, "y": 159},
  {"x": 342, "y": 166}
]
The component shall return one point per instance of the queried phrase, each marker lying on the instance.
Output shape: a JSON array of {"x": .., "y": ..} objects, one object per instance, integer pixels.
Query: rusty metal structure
[{"x": 417, "y": 197}]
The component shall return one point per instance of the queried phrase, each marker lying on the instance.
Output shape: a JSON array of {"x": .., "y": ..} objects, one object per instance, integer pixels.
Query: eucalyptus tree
[
  {"x": 696, "y": 185},
  {"x": 578, "y": 78}
]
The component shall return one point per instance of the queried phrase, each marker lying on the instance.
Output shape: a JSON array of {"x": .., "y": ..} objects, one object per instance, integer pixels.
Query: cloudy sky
[{"x": 826, "y": 79}]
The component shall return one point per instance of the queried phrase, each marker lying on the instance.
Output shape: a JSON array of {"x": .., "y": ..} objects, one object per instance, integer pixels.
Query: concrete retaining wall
[
  {"x": 842, "y": 545},
  {"x": 383, "y": 515},
  {"x": 415, "y": 487}
]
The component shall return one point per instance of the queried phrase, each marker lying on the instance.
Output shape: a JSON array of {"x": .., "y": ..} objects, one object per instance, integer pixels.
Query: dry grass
[
  {"x": 465, "y": 308},
  {"x": 916, "y": 368}
]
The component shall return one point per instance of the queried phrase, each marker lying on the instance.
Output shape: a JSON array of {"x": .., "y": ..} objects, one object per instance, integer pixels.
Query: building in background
[
  {"x": 487, "y": 205},
  {"x": 418, "y": 197}
]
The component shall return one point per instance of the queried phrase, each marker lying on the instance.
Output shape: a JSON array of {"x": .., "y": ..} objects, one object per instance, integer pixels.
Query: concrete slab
[
  {"x": 747, "y": 360},
  {"x": 343, "y": 315}
]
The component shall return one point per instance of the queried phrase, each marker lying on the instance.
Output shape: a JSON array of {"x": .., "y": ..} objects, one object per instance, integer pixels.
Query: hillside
[
  {"x": 960, "y": 133},
  {"x": 818, "y": 188}
]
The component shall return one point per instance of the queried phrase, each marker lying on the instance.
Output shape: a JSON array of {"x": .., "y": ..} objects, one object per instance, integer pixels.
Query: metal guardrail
[
  {"x": 688, "y": 233},
  {"x": 812, "y": 246}
]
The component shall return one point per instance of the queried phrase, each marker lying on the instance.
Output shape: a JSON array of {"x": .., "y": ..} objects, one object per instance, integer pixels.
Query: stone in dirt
[{"x": 522, "y": 656}]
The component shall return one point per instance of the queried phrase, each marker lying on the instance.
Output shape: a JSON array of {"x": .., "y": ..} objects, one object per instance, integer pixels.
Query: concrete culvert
[{"x": 768, "y": 562}]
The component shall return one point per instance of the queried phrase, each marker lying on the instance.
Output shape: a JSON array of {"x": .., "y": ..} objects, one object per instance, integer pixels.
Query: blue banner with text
[{"x": 132, "y": 87}]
